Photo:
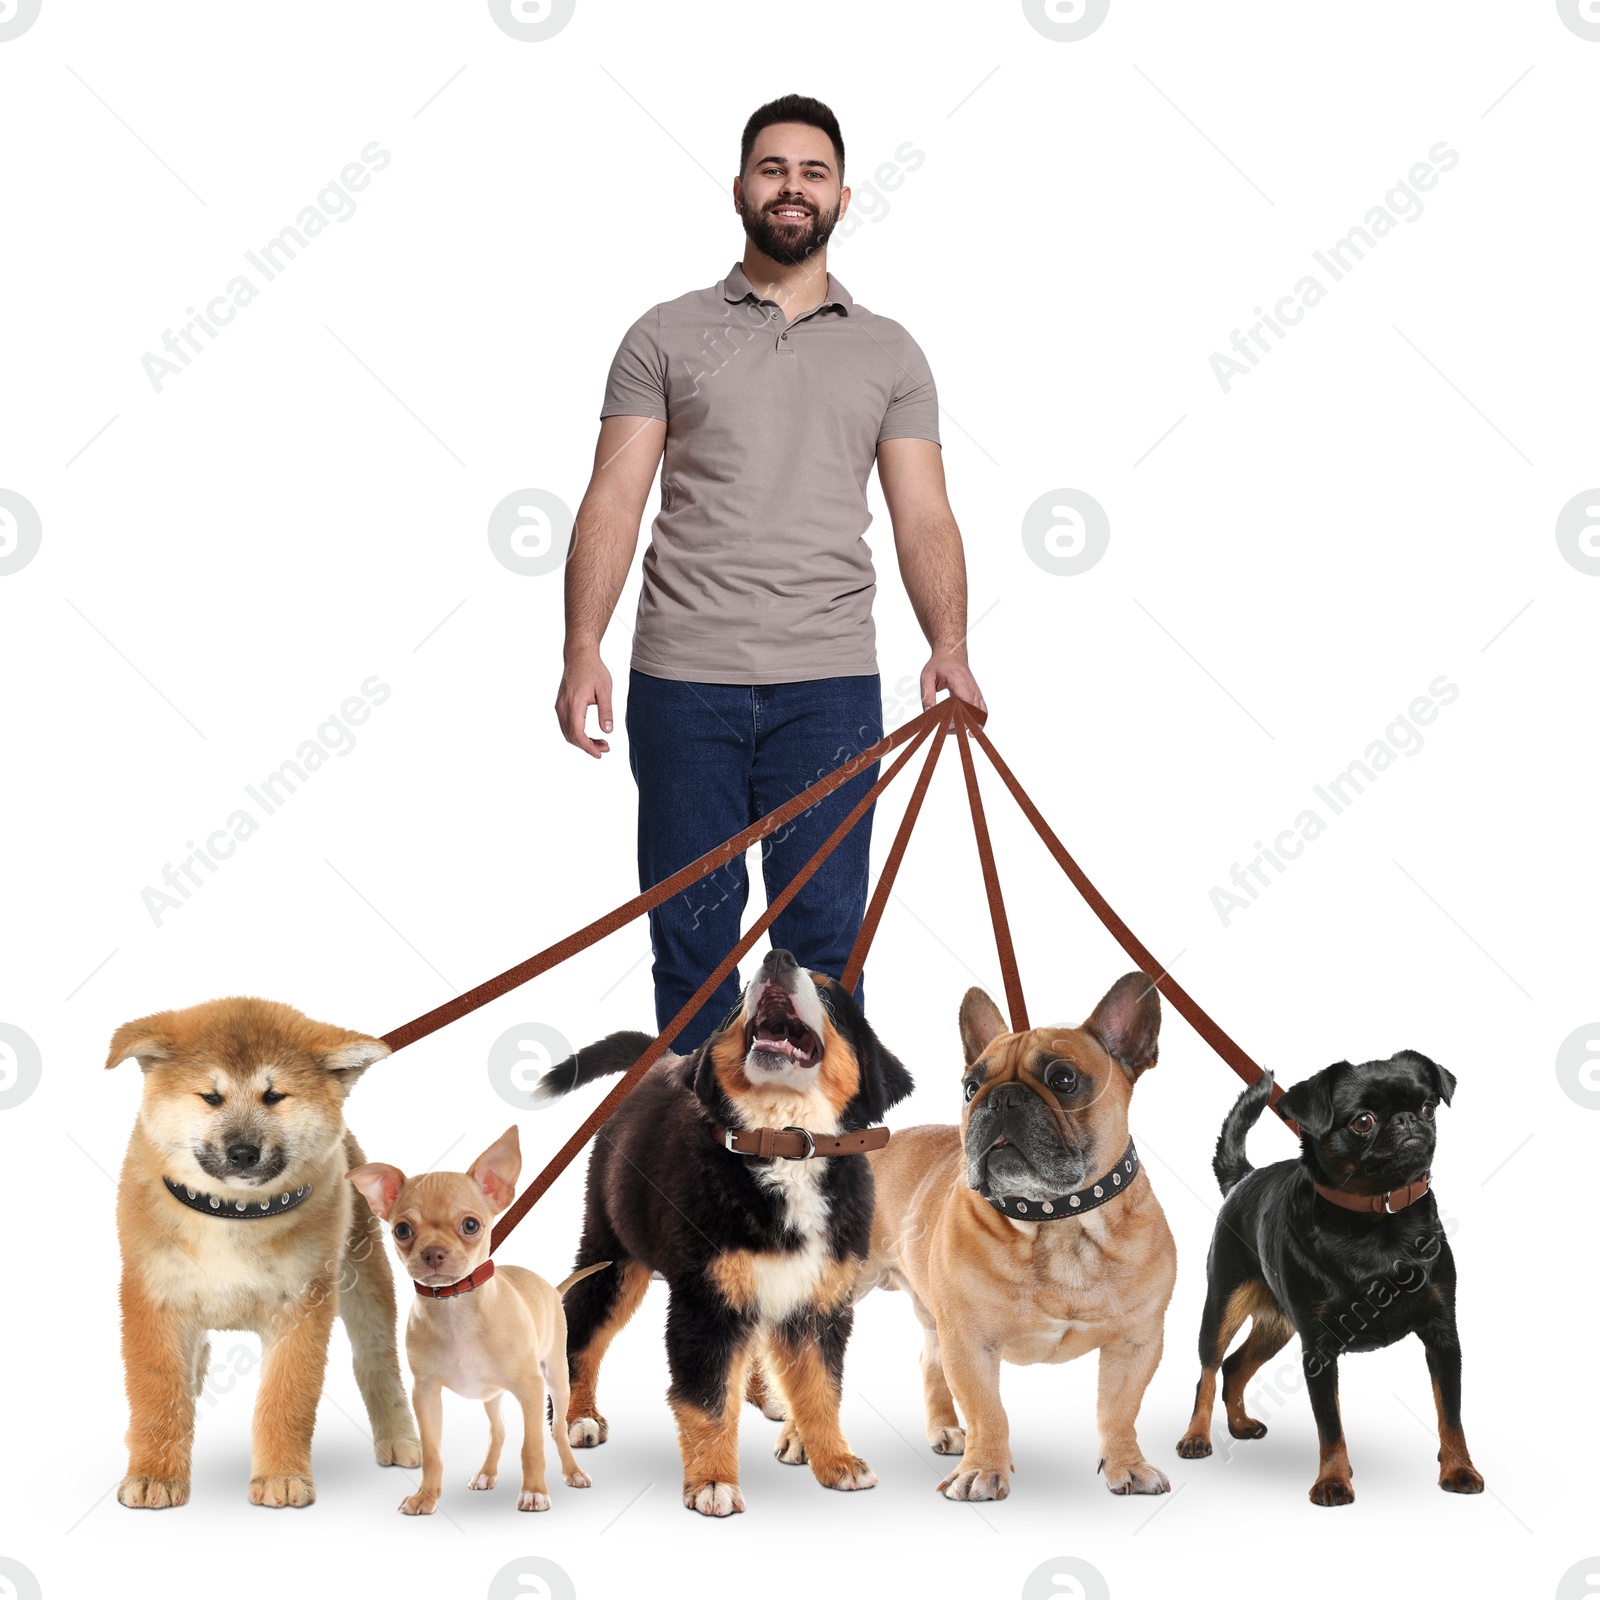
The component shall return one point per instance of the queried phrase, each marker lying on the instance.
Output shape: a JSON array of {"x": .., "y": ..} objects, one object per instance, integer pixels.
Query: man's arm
[
  {"x": 604, "y": 535},
  {"x": 928, "y": 545}
]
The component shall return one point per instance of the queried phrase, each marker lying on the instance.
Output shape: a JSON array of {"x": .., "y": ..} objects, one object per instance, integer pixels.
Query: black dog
[
  {"x": 760, "y": 1251},
  {"x": 1343, "y": 1247}
]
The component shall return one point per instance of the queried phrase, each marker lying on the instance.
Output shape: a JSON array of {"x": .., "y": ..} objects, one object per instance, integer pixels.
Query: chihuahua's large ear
[
  {"x": 349, "y": 1060},
  {"x": 150, "y": 1040},
  {"x": 1444, "y": 1082},
  {"x": 1310, "y": 1103},
  {"x": 496, "y": 1171},
  {"x": 1127, "y": 1022},
  {"x": 981, "y": 1024},
  {"x": 380, "y": 1184}
]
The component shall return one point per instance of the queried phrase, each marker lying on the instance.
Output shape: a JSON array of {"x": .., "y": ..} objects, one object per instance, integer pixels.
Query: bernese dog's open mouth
[{"x": 775, "y": 1029}]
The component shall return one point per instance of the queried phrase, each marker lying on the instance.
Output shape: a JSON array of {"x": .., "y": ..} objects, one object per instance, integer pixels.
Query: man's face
[{"x": 790, "y": 198}]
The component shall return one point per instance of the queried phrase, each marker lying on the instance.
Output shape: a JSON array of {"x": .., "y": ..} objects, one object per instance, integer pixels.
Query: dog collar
[
  {"x": 1075, "y": 1204},
  {"x": 1375, "y": 1204},
  {"x": 479, "y": 1276},
  {"x": 799, "y": 1144},
  {"x": 211, "y": 1205}
]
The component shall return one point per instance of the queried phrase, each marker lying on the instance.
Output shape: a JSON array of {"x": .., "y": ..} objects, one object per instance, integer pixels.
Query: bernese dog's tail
[
  {"x": 614, "y": 1053},
  {"x": 1230, "y": 1163}
]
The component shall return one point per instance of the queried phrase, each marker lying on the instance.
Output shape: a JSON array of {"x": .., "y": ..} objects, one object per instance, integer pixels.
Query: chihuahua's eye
[
  {"x": 970, "y": 1087},
  {"x": 272, "y": 1097},
  {"x": 1061, "y": 1078},
  {"x": 402, "y": 1230},
  {"x": 1363, "y": 1122},
  {"x": 470, "y": 1225},
  {"x": 1427, "y": 1111},
  {"x": 212, "y": 1099}
]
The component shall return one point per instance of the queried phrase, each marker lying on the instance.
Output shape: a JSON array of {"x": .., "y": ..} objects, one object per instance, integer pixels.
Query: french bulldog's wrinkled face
[
  {"x": 1047, "y": 1110},
  {"x": 1371, "y": 1127}
]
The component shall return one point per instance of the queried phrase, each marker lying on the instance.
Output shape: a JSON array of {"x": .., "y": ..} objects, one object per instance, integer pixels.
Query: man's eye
[
  {"x": 212, "y": 1099},
  {"x": 1363, "y": 1122}
]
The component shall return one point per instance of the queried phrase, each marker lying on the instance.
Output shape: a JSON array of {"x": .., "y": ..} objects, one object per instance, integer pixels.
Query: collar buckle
[{"x": 811, "y": 1144}]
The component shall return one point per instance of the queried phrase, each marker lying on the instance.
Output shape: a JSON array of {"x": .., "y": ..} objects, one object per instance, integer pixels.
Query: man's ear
[
  {"x": 380, "y": 1184},
  {"x": 1310, "y": 1103},
  {"x": 1444, "y": 1082},
  {"x": 1127, "y": 1022},
  {"x": 496, "y": 1171},
  {"x": 349, "y": 1060},
  {"x": 981, "y": 1024},
  {"x": 150, "y": 1040}
]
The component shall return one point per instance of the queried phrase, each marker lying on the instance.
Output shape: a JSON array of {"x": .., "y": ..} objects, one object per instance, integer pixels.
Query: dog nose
[
  {"x": 243, "y": 1155},
  {"x": 434, "y": 1256},
  {"x": 1007, "y": 1097},
  {"x": 780, "y": 961}
]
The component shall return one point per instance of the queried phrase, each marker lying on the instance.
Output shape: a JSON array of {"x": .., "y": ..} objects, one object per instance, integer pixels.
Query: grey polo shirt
[{"x": 757, "y": 571}]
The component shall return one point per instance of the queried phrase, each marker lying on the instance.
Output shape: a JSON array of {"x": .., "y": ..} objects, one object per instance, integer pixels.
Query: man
[{"x": 754, "y": 669}]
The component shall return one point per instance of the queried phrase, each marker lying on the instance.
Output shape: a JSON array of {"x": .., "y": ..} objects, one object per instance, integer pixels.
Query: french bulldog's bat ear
[
  {"x": 1444, "y": 1081},
  {"x": 380, "y": 1184},
  {"x": 981, "y": 1024},
  {"x": 1127, "y": 1022},
  {"x": 349, "y": 1060},
  {"x": 496, "y": 1171},
  {"x": 150, "y": 1040},
  {"x": 1310, "y": 1103}
]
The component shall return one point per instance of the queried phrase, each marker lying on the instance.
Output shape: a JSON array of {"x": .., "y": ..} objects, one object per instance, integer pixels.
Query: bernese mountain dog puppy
[{"x": 760, "y": 1252}]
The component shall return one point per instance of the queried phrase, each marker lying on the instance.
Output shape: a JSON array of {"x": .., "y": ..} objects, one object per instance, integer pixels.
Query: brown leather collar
[
  {"x": 479, "y": 1275},
  {"x": 1375, "y": 1204},
  {"x": 798, "y": 1144}
]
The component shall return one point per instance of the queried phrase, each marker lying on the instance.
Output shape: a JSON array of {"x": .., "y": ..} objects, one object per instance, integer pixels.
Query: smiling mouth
[
  {"x": 776, "y": 1030},
  {"x": 791, "y": 213}
]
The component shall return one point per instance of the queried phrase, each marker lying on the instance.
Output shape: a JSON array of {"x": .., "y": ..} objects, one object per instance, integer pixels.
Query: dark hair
[{"x": 799, "y": 108}]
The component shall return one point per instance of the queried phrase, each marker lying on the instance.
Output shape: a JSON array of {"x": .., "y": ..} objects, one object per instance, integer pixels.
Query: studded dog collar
[
  {"x": 1075, "y": 1204},
  {"x": 236, "y": 1210},
  {"x": 479, "y": 1275}
]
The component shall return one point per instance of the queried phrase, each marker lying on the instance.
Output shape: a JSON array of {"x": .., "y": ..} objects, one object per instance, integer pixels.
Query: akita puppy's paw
[
  {"x": 279, "y": 1489},
  {"x": 141, "y": 1493}
]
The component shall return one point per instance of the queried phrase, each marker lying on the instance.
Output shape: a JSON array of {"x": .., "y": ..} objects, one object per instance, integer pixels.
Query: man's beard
[{"x": 788, "y": 242}]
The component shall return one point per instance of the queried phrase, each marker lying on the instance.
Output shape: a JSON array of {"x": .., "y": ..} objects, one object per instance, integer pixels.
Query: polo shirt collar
[{"x": 736, "y": 286}]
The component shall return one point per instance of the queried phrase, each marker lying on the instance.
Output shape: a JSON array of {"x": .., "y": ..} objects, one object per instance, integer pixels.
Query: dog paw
[
  {"x": 772, "y": 1408},
  {"x": 1461, "y": 1480},
  {"x": 577, "y": 1479},
  {"x": 713, "y": 1498},
  {"x": 976, "y": 1483},
  {"x": 790, "y": 1448},
  {"x": 402, "y": 1450},
  {"x": 483, "y": 1480},
  {"x": 851, "y": 1473},
  {"x": 533, "y": 1500},
  {"x": 1192, "y": 1446},
  {"x": 1247, "y": 1428},
  {"x": 420, "y": 1504},
  {"x": 948, "y": 1441},
  {"x": 282, "y": 1489},
  {"x": 583, "y": 1433},
  {"x": 161, "y": 1494},
  {"x": 1332, "y": 1492},
  {"x": 1136, "y": 1477}
]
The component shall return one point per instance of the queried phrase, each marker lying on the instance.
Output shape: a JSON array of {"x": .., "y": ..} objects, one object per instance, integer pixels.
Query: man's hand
[
  {"x": 948, "y": 670},
  {"x": 584, "y": 683}
]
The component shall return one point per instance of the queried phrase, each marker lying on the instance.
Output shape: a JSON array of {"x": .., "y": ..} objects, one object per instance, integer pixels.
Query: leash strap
[{"x": 929, "y": 721}]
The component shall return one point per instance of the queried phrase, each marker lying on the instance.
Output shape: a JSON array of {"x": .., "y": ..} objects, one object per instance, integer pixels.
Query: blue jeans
[{"x": 710, "y": 759}]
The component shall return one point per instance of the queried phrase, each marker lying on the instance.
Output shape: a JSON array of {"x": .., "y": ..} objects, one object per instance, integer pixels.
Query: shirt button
[{"x": 783, "y": 336}]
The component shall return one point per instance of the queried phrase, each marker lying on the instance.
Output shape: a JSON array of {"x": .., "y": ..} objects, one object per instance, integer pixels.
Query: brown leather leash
[{"x": 948, "y": 716}]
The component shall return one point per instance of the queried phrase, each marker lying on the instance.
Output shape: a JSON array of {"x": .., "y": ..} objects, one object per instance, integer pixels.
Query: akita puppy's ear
[
  {"x": 150, "y": 1040},
  {"x": 496, "y": 1171},
  {"x": 981, "y": 1024},
  {"x": 380, "y": 1185},
  {"x": 348, "y": 1060}
]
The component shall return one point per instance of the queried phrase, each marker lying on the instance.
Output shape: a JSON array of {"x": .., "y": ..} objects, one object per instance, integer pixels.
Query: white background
[{"x": 224, "y": 562}]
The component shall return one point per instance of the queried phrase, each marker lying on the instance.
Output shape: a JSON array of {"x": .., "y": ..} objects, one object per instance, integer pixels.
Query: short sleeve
[
  {"x": 636, "y": 385},
  {"x": 913, "y": 411}
]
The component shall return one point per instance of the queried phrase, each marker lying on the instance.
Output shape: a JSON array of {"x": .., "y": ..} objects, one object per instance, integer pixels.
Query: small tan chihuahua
[{"x": 475, "y": 1329}]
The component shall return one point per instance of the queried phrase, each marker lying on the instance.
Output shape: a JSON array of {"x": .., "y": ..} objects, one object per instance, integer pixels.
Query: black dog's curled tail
[
  {"x": 1230, "y": 1163},
  {"x": 614, "y": 1053}
]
